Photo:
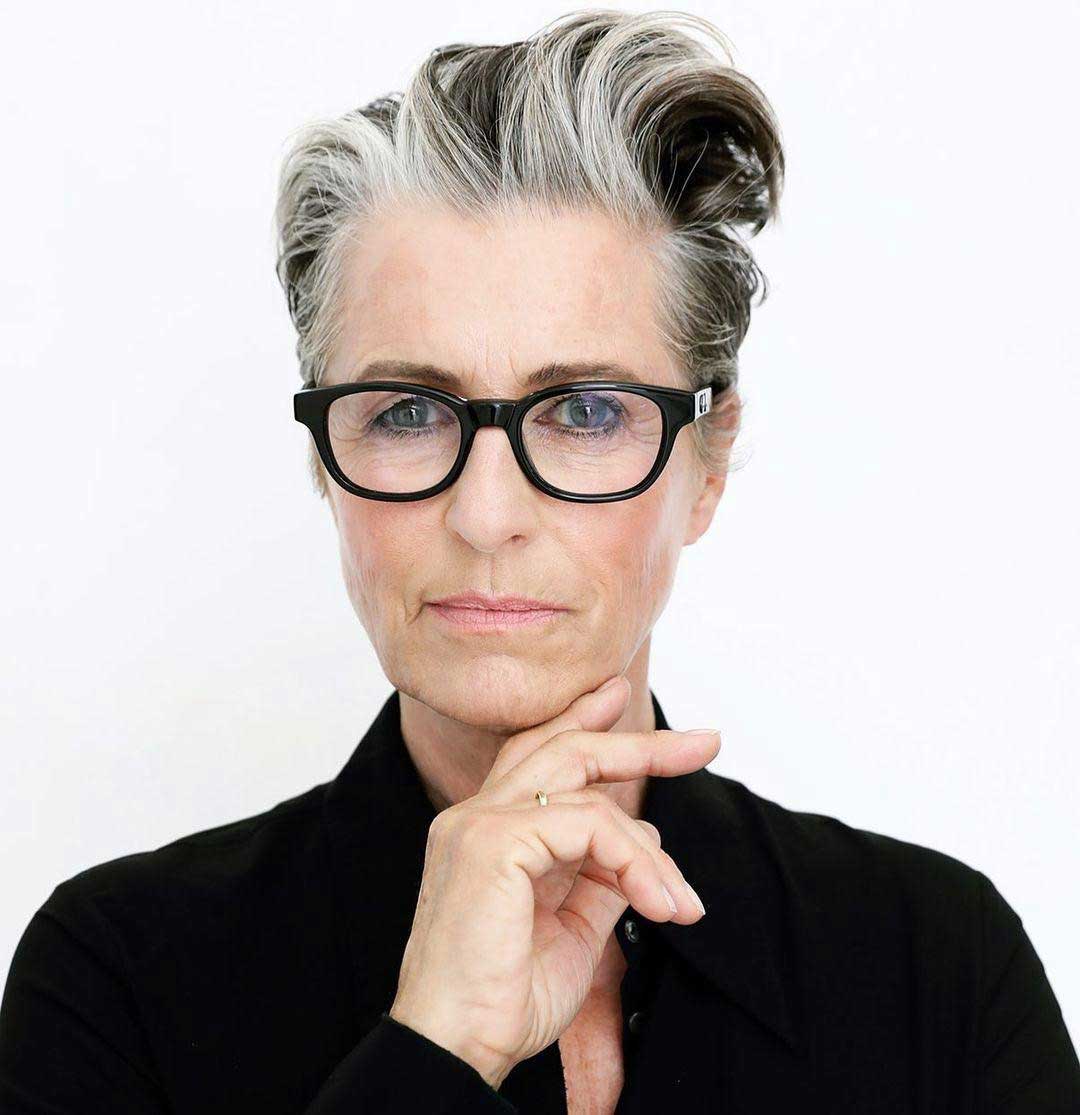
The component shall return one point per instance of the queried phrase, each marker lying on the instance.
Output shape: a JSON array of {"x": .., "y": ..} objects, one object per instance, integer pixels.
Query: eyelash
[{"x": 398, "y": 433}]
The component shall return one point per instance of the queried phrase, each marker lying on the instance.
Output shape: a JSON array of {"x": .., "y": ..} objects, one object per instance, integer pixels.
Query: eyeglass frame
[{"x": 678, "y": 408}]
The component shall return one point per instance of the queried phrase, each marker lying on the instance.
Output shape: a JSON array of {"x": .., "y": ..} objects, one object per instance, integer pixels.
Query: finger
[
  {"x": 592, "y": 908},
  {"x": 575, "y": 759},
  {"x": 596, "y": 909},
  {"x": 594, "y": 711},
  {"x": 646, "y": 834},
  {"x": 541, "y": 838}
]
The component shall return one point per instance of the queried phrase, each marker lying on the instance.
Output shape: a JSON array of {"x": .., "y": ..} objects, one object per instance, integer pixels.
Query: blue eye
[
  {"x": 588, "y": 413},
  {"x": 412, "y": 411}
]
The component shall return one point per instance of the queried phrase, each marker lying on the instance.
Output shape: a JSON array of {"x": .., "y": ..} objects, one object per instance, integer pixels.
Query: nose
[{"x": 491, "y": 501}]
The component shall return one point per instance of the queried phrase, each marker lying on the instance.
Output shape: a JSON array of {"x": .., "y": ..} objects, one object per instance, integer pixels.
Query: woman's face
[{"x": 490, "y": 303}]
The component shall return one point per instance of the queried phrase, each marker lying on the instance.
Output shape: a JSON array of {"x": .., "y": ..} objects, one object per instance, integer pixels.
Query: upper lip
[{"x": 496, "y": 603}]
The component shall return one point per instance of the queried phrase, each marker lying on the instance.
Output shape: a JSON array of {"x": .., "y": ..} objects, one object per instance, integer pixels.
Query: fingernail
[
  {"x": 609, "y": 683},
  {"x": 670, "y": 900},
  {"x": 702, "y": 732},
  {"x": 694, "y": 896}
]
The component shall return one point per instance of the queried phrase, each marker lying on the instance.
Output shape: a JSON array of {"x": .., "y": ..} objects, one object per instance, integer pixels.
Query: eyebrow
[{"x": 555, "y": 371}]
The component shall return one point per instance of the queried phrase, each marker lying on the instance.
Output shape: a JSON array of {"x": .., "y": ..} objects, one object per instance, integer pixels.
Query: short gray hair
[{"x": 600, "y": 109}]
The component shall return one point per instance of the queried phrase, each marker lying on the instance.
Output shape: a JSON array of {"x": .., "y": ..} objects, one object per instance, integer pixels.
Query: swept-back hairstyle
[{"x": 600, "y": 109}]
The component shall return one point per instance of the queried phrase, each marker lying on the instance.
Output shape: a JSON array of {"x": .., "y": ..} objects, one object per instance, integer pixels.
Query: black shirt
[{"x": 249, "y": 968}]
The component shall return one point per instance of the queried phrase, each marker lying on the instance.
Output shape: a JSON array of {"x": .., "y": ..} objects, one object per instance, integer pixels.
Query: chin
[{"x": 498, "y": 692}]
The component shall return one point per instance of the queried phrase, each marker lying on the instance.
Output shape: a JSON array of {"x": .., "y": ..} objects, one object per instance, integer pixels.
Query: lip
[
  {"x": 477, "y": 612},
  {"x": 497, "y": 603},
  {"x": 490, "y": 619}
]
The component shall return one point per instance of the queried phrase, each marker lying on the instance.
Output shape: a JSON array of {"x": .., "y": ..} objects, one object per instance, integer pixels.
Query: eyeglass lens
[{"x": 583, "y": 442}]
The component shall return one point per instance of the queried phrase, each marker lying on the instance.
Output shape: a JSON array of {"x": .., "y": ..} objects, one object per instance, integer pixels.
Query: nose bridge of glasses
[{"x": 492, "y": 412}]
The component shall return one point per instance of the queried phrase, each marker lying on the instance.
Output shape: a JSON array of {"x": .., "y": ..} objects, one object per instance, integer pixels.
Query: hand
[{"x": 518, "y": 901}]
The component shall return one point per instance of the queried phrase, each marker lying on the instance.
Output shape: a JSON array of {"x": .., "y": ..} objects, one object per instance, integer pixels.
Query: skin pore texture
[{"x": 491, "y": 301}]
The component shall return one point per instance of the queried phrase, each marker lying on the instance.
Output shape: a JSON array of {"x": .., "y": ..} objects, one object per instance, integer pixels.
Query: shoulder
[
  {"x": 836, "y": 867},
  {"x": 893, "y": 929},
  {"x": 870, "y": 910},
  {"x": 203, "y": 877}
]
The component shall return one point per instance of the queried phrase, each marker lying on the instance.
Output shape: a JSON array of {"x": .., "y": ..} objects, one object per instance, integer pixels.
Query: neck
[{"x": 454, "y": 758}]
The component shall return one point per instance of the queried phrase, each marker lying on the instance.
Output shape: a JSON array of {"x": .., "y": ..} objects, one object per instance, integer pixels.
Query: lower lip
[{"x": 488, "y": 619}]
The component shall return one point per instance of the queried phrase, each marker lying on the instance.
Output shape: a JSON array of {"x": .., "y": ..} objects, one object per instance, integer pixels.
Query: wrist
[{"x": 490, "y": 1064}]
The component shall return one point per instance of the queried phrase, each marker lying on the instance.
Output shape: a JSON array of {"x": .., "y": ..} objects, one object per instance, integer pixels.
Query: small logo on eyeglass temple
[{"x": 704, "y": 402}]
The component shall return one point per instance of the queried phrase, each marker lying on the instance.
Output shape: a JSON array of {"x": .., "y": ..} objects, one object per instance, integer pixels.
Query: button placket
[{"x": 634, "y": 1015}]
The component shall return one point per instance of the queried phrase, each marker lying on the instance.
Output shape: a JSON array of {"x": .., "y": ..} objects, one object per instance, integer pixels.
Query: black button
[
  {"x": 636, "y": 1021},
  {"x": 633, "y": 934}
]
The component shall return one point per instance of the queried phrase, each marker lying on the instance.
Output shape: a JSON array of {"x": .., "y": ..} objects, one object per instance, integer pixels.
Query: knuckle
[
  {"x": 584, "y": 763},
  {"x": 594, "y": 795},
  {"x": 477, "y": 829},
  {"x": 575, "y": 754},
  {"x": 439, "y": 826},
  {"x": 599, "y": 810},
  {"x": 464, "y": 830},
  {"x": 441, "y": 833}
]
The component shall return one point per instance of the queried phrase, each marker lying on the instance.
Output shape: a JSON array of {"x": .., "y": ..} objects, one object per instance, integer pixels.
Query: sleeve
[
  {"x": 396, "y": 1068},
  {"x": 70, "y": 1036},
  {"x": 1027, "y": 1061},
  {"x": 71, "y": 1039}
]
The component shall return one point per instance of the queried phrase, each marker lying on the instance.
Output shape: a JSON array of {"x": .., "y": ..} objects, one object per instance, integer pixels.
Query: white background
[{"x": 891, "y": 634}]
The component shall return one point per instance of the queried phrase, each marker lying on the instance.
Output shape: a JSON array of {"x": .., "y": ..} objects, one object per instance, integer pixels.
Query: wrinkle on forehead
[{"x": 431, "y": 285}]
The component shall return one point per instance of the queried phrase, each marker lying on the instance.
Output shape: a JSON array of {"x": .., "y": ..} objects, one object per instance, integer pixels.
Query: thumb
[{"x": 594, "y": 711}]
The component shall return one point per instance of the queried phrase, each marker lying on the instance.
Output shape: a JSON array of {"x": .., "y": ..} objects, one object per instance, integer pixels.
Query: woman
[{"x": 490, "y": 908}]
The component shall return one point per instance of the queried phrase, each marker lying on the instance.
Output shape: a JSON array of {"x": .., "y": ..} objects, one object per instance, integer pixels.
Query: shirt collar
[{"x": 377, "y": 815}]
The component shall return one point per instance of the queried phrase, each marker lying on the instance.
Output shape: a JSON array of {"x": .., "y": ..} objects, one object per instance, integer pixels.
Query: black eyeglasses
[{"x": 588, "y": 442}]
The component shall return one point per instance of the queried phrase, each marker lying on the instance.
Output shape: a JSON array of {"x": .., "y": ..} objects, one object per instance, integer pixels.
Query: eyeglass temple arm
[{"x": 702, "y": 402}]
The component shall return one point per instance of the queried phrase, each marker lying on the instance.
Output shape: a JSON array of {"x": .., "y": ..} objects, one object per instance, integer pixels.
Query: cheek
[
  {"x": 634, "y": 551},
  {"x": 377, "y": 548}
]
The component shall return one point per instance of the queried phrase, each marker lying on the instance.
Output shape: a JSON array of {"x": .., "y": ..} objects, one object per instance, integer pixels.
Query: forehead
[{"x": 493, "y": 298}]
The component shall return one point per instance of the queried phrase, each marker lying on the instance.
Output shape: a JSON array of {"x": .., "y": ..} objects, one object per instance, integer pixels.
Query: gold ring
[{"x": 541, "y": 797}]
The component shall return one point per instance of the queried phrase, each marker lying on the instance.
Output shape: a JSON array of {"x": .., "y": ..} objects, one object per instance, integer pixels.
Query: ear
[
  {"x": 701, "y": 514},
  {"x": 322, "y": 483},
  {"x": 723, "y": 429}
]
